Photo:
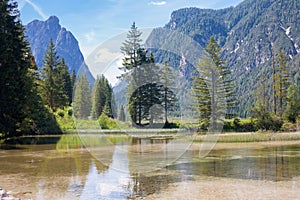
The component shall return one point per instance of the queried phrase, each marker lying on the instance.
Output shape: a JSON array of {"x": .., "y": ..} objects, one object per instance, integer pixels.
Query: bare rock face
[{"x": 38, "y": 34}]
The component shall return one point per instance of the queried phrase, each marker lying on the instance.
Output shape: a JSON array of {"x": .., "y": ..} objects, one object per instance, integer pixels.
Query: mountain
[
  {"x": 38, "y": 33},
  {"x": 249, "y": 34}
]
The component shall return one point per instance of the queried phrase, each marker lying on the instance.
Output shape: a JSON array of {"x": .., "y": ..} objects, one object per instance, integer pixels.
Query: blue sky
[{"x": 95, "y": 21}]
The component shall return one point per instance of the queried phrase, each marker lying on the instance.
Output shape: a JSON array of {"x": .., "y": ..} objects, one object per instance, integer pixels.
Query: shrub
[
  {"x": 70, "y": 111},
  {"x": 268, "y": 122},
  {"x": 288, "y": 126},
  {"x": 60, "y": 113},
  {"x": 107, "y": 123},
  {"x": 239, "y": 125}
]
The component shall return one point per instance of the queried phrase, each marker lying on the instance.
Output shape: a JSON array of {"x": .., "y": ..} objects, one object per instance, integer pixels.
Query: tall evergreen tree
[
  {"x": 102, "y": 95},
  {"x": 114, "y": 109},
  {"x": 63, "y": 85},
  {"x": 281, "y": 81},
  {"x": 122, "y": 115},
  {"x": 293, "y": 104},
  {"x": 56, "y": 80},
  {"x": 20, "y": 108},
  {"x": 168, "y": 96},
  {"x": 73, "y": 80},
  {"x": 14, "y": 65},
  {"x": 141, "y": 73},
  {"x": 213, "y": 87},
  {"x": 130, "y": 49},
  {"x": 67, "y": 84},
  {"x": 82, "y": 98},
  {"x": 49, "y": 88}
]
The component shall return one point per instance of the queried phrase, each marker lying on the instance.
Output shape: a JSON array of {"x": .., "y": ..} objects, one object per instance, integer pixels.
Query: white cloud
[
  {"x": 90, "y": 36},
  {"x": 158, "y": 3},
  {"x": 37, "y": 9},
  {"x": 106, "y": 56}
]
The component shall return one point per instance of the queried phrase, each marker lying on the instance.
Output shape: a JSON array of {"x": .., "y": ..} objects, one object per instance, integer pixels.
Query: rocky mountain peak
[{"x": 39, "y": 33}]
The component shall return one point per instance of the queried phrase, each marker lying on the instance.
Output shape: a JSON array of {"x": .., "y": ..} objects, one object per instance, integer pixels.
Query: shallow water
[{"x": 122, "y": 167}]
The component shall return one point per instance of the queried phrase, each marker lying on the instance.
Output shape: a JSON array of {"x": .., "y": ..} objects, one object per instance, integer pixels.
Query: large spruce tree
[
  {"x": 168, "y": 95},
  {"x": 141, "y": 73},
  {"x": 102, "y": 95},
  {"x": 282, "y": 79},
  {"x": 56, "y": 80},
  {"x": 21, "y": 110},
  {"x": 213, "y": 87},
  {"x": 82, "y": 98}
]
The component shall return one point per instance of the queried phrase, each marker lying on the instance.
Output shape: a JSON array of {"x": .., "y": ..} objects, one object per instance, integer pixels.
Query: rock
[
  {"x": 6, "y": 195},
  {"x": 38, "y": 34}
]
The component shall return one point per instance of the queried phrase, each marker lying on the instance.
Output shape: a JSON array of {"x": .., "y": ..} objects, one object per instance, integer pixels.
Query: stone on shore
[{"x": 6, "y": 195}]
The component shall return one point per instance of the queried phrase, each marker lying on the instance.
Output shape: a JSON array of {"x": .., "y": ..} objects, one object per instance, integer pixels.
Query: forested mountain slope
[{"x": 249, "y": 34}]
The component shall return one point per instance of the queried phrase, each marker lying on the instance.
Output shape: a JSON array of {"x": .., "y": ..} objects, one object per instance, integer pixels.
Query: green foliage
[
  {"x": 15, "y": 84},
  {"x": 281, "y": 81},
  {"x": 213, "y": 88},
  {"x": 122, "y": 115},
  {"x": 289, "y": 127},
  {"x": 253, "y": 137},
  {"x": 239, "y": 125},
  {"x": 56, "y": 87},
  {"x": 265, "y": 120},
  {"x": 141, "y": 73},
  {"x": 65, "y": 119},
  {"x": 102, "y": 96},
  {"x": 21, "y": 108},
  {"x": 293, "y": 104},
  {"x": 248, "y": 35},
  {"x": 107, "y": 123},
  {"x": 82, "y": 98},
  {"x": 70, "y": 111},
  {"x": 168, "y": 95}
]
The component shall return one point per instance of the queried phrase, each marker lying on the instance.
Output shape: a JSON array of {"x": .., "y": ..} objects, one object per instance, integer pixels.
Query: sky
[{"x": 93, "y": 22}]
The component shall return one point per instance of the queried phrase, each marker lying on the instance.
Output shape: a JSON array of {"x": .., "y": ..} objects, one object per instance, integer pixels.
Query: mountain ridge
[
  {"x": 38, "y": 34},
  {"x": 249, "y": 35}
]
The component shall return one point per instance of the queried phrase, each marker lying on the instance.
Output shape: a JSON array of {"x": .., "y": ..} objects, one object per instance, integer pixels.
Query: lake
[{"x": 91, "y": 166}]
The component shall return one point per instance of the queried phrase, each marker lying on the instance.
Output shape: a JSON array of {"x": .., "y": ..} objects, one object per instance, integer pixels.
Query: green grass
[{"x": 252, "y": 137}]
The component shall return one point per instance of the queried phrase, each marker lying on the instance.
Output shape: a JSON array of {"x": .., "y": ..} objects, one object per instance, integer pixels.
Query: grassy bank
[{"x": 250, "y": 137}]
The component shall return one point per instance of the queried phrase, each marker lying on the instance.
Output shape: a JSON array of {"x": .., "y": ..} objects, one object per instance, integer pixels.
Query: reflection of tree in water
[
  {"x": 143, "y": 185},
  {"x": 65, "y": 167},
  {"x": 271, "y": 164},
  {"x": 141, "y": 155}
]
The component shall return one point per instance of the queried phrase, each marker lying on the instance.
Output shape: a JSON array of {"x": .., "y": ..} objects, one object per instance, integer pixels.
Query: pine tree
[
  {"x": 56, "y": 81},
  {"x": 73, "y": 80},
  {"x": 141, "y": 73},
  {"x": 168, "y": 96},
  {"x": 297, "y": 80},
  {"x": 82, "y": 98},
  {"x": 130, "y": 49},
  {"x": 293, "y": 104},
  {"x": 15, "y": 62},
  {"x": 97, "y": 105},
  {"x": 102, "y": 95},
  {"x": 49, "y": 88},
  {"x": 281, "y": 81},
  {"x": 21, "y": 110},
  {"x": 67, "y": 84},
  {"x": 114, "y": 110},
  {"x": 121, "y": 115},
  {"x": 63, "y": 85},
  {"x": 213, "y": 87}
]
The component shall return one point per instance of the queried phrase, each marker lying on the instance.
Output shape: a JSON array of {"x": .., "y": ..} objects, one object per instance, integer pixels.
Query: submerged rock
[{"x": 6, "y": 195}]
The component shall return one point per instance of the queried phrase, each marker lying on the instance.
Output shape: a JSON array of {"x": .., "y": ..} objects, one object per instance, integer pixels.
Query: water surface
[{"x": 109, "y": 166}]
